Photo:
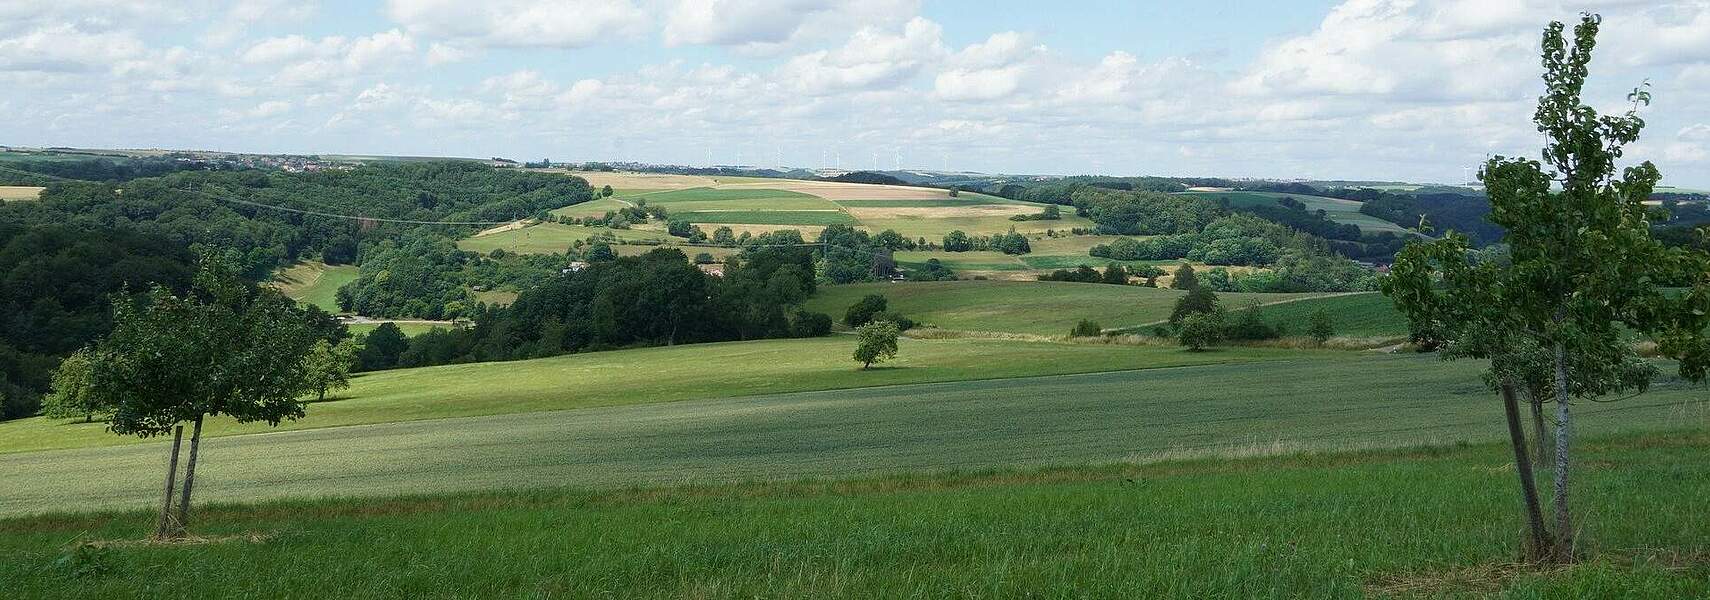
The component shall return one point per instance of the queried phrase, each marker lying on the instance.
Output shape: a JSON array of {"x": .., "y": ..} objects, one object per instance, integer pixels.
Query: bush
[
  {"x": 862, "y": 311},
  {"x": 903, "y": 323},
  {"x": 704, "y": 259},
  {"x": 1198, "y": 300},
  {"x": 1320, "y": 328},
  {"x": 1251, "y": 326},
  {"x": 1086, "y": 328},
  {"x": 1201, "y": 330},
  {"x": 804, "y": 324}
]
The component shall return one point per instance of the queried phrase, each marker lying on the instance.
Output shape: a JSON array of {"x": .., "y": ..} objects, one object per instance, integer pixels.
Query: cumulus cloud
[
  {"x": 871, "y": 59},
  {"x": 1394, "y": 89},
  {"x": 768, "y": 27},
  {"x": 305, "y": 61},
  {"x": 519, "y": 23}
]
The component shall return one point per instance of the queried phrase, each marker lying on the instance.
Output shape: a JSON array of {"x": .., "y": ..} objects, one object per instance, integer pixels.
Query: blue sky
[{"x": 1363, "y": 89}]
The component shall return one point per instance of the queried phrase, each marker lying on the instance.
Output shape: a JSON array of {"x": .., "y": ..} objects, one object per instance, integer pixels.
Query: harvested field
[
  {"x": 832, "y": 190},
  {"x": 643, "y": 181},
  {"x": 19, "y": 192}
]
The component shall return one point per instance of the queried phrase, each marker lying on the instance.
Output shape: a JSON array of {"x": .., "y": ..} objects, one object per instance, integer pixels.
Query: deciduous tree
[
  {"x": 224, "y": 348},
  {"x": 1582, "y": 268}
]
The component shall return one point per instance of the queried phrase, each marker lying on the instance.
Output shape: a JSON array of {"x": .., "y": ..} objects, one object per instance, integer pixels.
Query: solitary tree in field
[
  {"x": 1184, "y": 278},
  {"x": 328, "y": 366},
  {"x": 1582, "y": 267},
  {"x": 224, "y": 348},
  {"x": 1319, "y": 327},
  {"x": 877, "y": 341}
]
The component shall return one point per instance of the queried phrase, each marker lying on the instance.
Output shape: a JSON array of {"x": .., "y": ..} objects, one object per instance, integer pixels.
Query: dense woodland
[{"x": 656, "y": 299}]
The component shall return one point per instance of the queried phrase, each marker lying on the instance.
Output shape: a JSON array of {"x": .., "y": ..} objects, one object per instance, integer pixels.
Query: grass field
[
  {"x": 1370, "y": 314},
  {"x": 1337, "y": 209},
  {"x": 1039, "y": 307},
  {"x": 312, "y": 282},
  {"x": 1431, "y": 522},
  {"x": 409, "y": 328},
  {"x": 20, "y": 192},
  {"x": 1316, "y": 401},
  {"x": 687, "y": 372}
]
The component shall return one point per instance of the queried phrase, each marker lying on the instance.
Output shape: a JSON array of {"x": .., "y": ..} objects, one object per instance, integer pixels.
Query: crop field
[
  {"x": 1337, "y": 209},
  {"x": 691, "y": 371},
  {"x": 1432, "y": 522},
  {"x": 312, "y": 282},
  {"x": 550, "y": 238},
  {"x": 19, "y": 192},
  {"x": 766, "y": 217},
  {"x": 642, "y": 181},
  {"x": 743, "y": 199},
  {"x": 1349, "y": 401},
  {"x": 1038, "y": 307}
]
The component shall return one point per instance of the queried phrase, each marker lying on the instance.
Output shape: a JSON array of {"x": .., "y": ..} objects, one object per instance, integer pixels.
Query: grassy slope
[
  {"x": 1339, "y": 210},
  {"x": 312, "y": 282},
  {"x": 1431, "y": 522},
  {"x": 1362, "y": 315},
  {"x": 661, "y": 375},
  {"x": 1040, "y": 307},
  {"x": 1323, "y": 400}
]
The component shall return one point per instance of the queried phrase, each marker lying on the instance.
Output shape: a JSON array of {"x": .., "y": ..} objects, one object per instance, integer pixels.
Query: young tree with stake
[
  {"x": 1583, "y": 266},
  {"x": 224, "y": 348}
]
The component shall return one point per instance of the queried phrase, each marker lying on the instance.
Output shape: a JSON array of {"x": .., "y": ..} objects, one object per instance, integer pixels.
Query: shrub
[
  {"x": 1320, "y": 328},
  {"x": 1086, "y": 328},
  {"x": 1201, "y": 330},
  {"x": 804, "y": 324},
  {"x": 862, "y": 311},
  {"x": 1198, "y": 300},
  {"x": 903, "y": 323}
]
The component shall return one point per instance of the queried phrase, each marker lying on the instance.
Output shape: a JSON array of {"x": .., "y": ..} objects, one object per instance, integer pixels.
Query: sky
[{"x": 1402, "y": 90}]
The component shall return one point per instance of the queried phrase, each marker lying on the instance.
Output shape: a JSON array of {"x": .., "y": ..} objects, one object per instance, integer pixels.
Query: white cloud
[
  {"x": 439, "y": 54},
  {"x": 64, "y": 48},
  {"x": 303, "y": 61},
  {"x": 872, "y": 59},
  {"x": 519, "y": 23}
]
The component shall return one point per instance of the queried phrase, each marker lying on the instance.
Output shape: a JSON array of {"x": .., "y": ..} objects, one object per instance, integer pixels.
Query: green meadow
[
  {"x": 1434, "y": 522},
  {"x": 312, "y": 282}
]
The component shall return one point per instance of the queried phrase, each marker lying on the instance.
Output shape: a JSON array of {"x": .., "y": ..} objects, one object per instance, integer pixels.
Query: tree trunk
[
  {"x": 189, "y": 477},
  {"x": 1564, "y": 432},
  {"x": 1540, "y": 537},
  {"x": 321, "y": 394},
  {"x": 163, "y": 527},
  {"x": 1541, "y": 444}
]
